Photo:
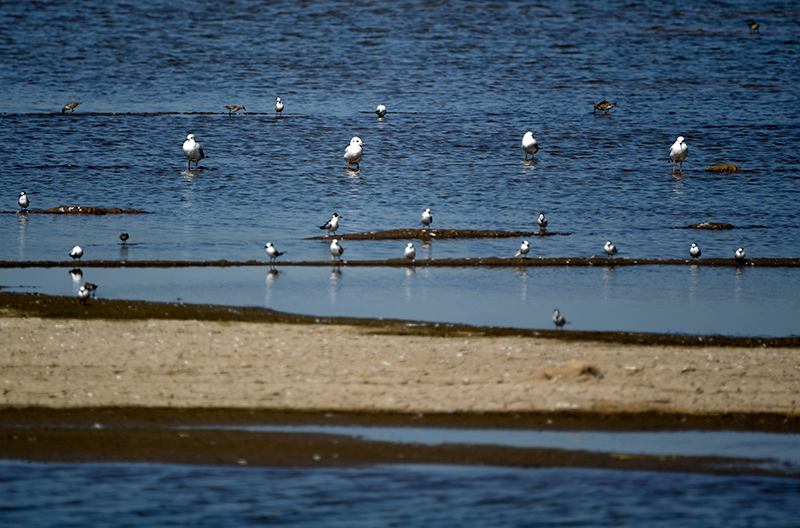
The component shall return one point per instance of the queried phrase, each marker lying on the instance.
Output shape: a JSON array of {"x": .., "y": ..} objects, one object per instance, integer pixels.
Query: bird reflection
[
  {"x": 123, "y": 252},
  {"x": 522, "y": 274},
  {"x": 694, "y": 272},
  {"x": 427, "y": 249},
  {"x": 608, "y": 277},
  {"x": 76, "y": 274},
  {"x": 335, "y": 278},
  {"x": 269, "y": 280},
  {"x": 410, "y": 272},
  {"x": 738, "y": 280}
]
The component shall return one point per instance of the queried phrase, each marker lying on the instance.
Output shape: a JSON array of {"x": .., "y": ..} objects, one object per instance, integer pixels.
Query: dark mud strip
[
  {"x": 488, "y": 262},
  {"x": 438, "y": 234},
  {"x": 51, "y": 306},
  {"x": 224, "y": 447}
]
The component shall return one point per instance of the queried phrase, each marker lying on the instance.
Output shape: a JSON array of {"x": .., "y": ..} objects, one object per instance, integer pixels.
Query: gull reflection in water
[
  {"x": 269, "y": 280},
  {"x": 522, "y": 273},
  {"x": 335, "y": 283},
  {"x": 427, "y": 249},
  {"x": 738, "y": 281},
  {"x": 410, "y": 272},
  {"x": 694, "y": 275},
  {"x": 608, "y": 277}
]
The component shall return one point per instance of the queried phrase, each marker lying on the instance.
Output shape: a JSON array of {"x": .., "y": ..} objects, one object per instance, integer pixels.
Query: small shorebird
[
  {"x": 331, "y": 225},
  {"x": 427, "y": 217},
  {"x": 739, "y": 254},
  {"x": 558, "y": 319},
  {"x": 90, "y": 287},
  {"x": 603, "y": 106},
  {"x": 353, "y": 153},
  {"x": 523, "y": 250},
  {"x": 529, "y": 144},
  {"x": 694, "y": 251},
  {"x": 193, "y": 151},
  {"x": 232, "y": 109},
  {"x": 23, "y": 200},
  {"x": 678, "y": 152},
  {"x": 83, "y": 294},
  {"x": 381, "y": 110},
  {"x": 753, "y": 27},
  {"x": 76, "y": 252},
  {"x": 542, "y": 221},
  {"x": 410, "y": 253},
  {"x": 124, "y": 237},
  {"x": 69, "y": 106},
  {"x": 336, "y": 249},
  {"x": 273, "y": 253},
  {"x": 610, "y": 249},
  {"x": 278, "y": 106}
]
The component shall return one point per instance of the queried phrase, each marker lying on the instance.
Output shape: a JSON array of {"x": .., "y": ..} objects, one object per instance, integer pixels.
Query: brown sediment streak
[{"x": 47, "y": 306}]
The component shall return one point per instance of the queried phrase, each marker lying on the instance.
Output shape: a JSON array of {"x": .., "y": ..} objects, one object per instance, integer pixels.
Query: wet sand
[{"x": 160, "y": 365}]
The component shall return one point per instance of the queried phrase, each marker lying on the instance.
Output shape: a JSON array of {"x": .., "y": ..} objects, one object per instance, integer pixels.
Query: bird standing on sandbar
[
  {"x": 69, "y": 106},
  {"x": 694, "y": 251},
  {"x": 558, "y": 319},
  {"x": 381, "y": 110},
  {"x": 603, "y": 106},
  {"x": 331, "y": 225},
  {"x": 278, "y": 106},
  {"x": 410, "y": 253},
  {"x": 273, "y": 253},
  {"x": 739, "y": 254},
  {"x": 353, "y": 153},
  {"x": 124, "y": 237},
  {"x": 232, "y": 109},
  {"x": 427, "y": 217},
  {"x": 529, "y": 144},
  {"x": 193, "y": 151},
  {"x": 23, "y": 200},
  {"x": 336, "y": 249},
  {"x": 610, "y": 249},
  {"x": 92, "y": 288},
  {"x": 83, "y": 294},
  {"x": 523, "y": 250},
  {"x": 678, "y": 152},
  {"x": 542, "y": 221},
  {"x": 76, "y": 252}
]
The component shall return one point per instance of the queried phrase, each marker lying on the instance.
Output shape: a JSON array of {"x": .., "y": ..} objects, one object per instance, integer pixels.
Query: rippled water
[{"x": 463, "y": 82}]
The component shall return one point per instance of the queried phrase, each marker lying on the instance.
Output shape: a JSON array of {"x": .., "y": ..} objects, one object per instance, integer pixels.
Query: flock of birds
[{"x": 353, "y": 154}]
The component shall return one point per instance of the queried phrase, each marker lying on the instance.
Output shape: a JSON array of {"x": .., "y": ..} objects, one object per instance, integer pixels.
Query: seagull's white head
[
  {"x": 357, "y": 140},
  {"x": 680, "y": 139},
  {"x": 278, "y": 99},
  {"x": 190, "y": 137},
  {"x": 269, "y": 244}
]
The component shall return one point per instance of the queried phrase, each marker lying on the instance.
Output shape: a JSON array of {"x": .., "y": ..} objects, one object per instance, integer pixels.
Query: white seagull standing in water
[
  {"x": 273, "y": 253},
  {"x": 542, "y": 221},
  {"x": 529, "y": 144},
  {"x": 610, "y": 249},
  {"x": 558, "y": 319},
  {"x": 381, "y": 110},
  {"x": 410, "y": 253},
  {"x": 739, "y": 254},
  {"x": 427, "y": 217},
  {"x": 336, "y": 249},
  {"x": 353, "y": 153},
  {"x": 76, "y": 252},
  {"x": 331, "y": 225},
  {"x": 278, "y": 106},
  {"x": 523, "y": 250},
  {"x": 694, "y": 251},
  {"x": 23, "y": 200},
  {"x": 678, "y": 152},
  {"x": 193, "y": 151}
]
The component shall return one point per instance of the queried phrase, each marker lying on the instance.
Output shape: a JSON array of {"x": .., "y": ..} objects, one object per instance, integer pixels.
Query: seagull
[
  {"x": 529, "y": 144},
  {"x": 90, "y": 287},
  {"x": 542, "y": 221},
  {"x": 694, "y": 251},
  {"x": 232, "y": 109},
  {"x": 336, "y": 249},
  {"x": 69, "y": 106},
  {"x": 603, "y": 106},
  {"x": 76, "y": 252},
  {"x": 410, "y": 253},
  {"x": 427, "y": 217},
  {"x": 353, "y": 152},
  {"x": 273, "y": 253},
  {"x": 523, "y": 250},
  {"x": 331, "y": 225},
  {"x": 124, "y": 237},
  {"x": 739, "y": 254},
  {"x": 76, "y": 274},
  {"x": 678, "y": 152},
  {"x": 558, "y": 319},
  {"x": 381, "y": 110},
  {"x": 193, "y": 151},
  {"x": 278, "y": 106},
  {"x": 23, "y": 200},
  {"x": 753, "y": 27},
  {"x": 83, "y": 294},
  {"x": 610, "y": 249}
]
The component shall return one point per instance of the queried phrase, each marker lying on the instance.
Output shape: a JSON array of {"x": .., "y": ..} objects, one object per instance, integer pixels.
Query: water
[{"x": 463, "y": 82}]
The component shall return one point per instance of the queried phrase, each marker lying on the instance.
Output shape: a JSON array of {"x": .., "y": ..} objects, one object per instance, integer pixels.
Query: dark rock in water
[
  {"x": 77, "y": 209},
  {"x": 725, "y": 167},
  {"x": 431, "y": 234},
  {"x": 711, "y": 225}
]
